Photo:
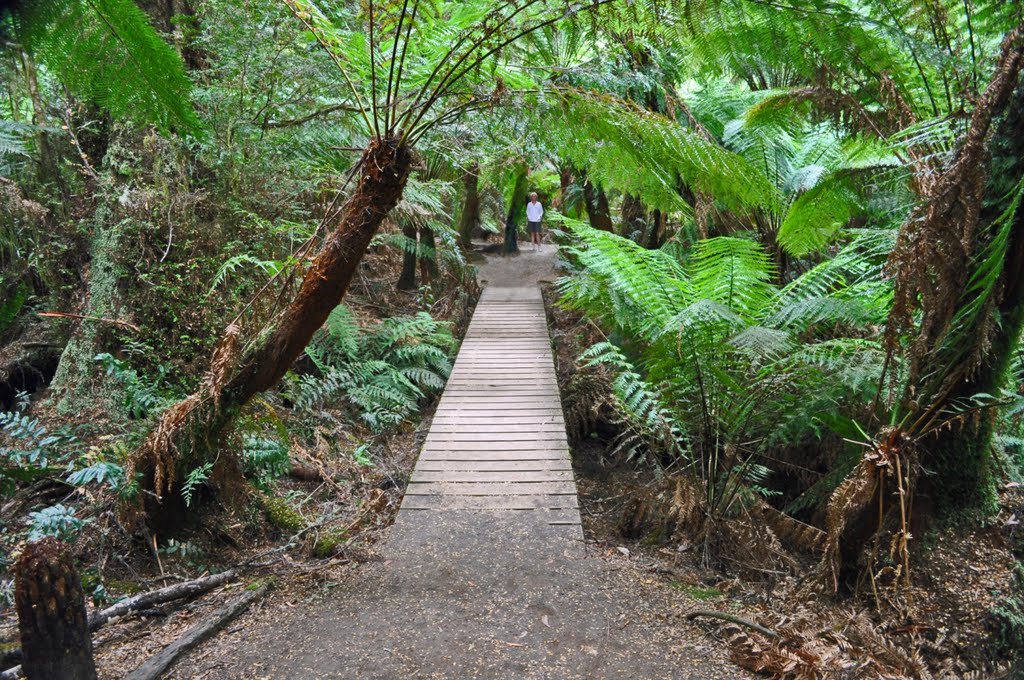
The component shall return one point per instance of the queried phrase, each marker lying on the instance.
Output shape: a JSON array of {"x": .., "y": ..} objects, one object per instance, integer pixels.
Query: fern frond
[{"x": 105, "y": 51}]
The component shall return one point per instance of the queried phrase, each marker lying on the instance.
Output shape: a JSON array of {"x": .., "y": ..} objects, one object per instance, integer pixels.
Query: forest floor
[
  {"x": 474, "y": 595},
  {"x": 385, "y": 604}
]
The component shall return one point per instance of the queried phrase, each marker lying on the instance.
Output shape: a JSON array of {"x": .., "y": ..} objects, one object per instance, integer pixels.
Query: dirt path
[
  {"x": 526, "y": 268},
  {"x": 460, "y": 592}
]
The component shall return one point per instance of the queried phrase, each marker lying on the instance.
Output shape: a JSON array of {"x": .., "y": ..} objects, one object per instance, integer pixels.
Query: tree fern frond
[{"x": 105, "y": 51}]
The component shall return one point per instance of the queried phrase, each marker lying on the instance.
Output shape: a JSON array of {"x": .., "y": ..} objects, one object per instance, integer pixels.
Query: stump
[{"x": 52, "y": 621}]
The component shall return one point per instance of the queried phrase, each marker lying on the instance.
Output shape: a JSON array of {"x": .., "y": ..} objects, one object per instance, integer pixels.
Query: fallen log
[
  {"x": 174, "y": 592},
  {"x": 135, "y": 603},
  {"x": 733, "y": 619},
  {"x": 156, "y": 666}
]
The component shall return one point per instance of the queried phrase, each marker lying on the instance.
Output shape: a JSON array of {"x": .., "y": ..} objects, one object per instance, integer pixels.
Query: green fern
[
  {"x": 381, "y": 373},
  {"x": 722, "y": 365},
  {"x": 264, "y": 459},
  {"x": 106, "y": 52}
]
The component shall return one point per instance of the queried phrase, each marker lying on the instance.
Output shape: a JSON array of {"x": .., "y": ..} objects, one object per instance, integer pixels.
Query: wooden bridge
[{"x": 497, "y": 441}]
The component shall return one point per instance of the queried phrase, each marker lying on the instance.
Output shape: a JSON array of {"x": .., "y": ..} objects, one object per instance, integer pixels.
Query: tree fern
[
  {"x": 723, "y": 366},
  {"x": 106, "y": 52}
]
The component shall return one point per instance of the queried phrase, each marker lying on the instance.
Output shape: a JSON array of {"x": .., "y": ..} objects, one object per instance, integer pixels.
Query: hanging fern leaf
[{"x": 105, "y": 51}]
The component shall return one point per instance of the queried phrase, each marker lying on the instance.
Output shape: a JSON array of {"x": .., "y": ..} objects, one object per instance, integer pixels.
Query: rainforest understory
[{"x": 782, "y": 263}]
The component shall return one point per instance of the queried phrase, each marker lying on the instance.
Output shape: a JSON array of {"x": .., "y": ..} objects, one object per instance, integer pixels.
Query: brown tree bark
[
  {"x": 596, "y": 201},
  {"x": 407, "y": 279},
  {"x": 469, "y": 220},
  {"x": 428, "y": 265},
  {"x": 54, "y": 629},
  {"x": 190, "y": 428}
]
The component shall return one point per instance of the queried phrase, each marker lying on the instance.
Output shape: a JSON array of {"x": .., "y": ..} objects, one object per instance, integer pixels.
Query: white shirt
[{"x": 534, "y": 211}]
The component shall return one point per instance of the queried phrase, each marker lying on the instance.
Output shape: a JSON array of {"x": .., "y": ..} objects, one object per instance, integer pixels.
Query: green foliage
[
  {"x": 142, "y": 398},
  {"x": 601, "y": 135},
  {"x": 193, "y": 480},
  {"x": 106, "y": 52},
  {"x": 57, "y": 520},
  {"x": 264, "y": 459},
  {"x": 13, "y": 305},
  {"x": 103, "y": 472},
  {"x": 715, "y": 365},
  {"x": 32, "y": 448},
  {"x": 382, "y": 373},
  {"x": 14, "y": 146},
  {"x": 361, "y": 455},
  {"x": 236, "y": 263}
]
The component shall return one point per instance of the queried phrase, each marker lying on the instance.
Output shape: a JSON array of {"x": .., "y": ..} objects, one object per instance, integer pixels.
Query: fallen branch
[
  {"x": 733, "y": 619},
  {"x": 68, "y": 315},
  {"x": 175, "y": 592},
  {"x": 157, "y": 665}
]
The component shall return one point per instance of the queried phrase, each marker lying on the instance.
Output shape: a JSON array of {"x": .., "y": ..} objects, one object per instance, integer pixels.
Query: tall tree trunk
[
  {"x": 634, "y": 218},
  {"x": 77, "y": 378},
  {"x": 428, "y": 256},
  {"x": 960, "y": 456},
  {"x": 407, "y": 279},
  {"x": 516, "y": 214},
  {"x": 598, "y": 213},
  {"x": 55, "y": 639},
  {"x": 188, "y": 431},
  {"x": 48, "y": 171},
  {"x": 469, "y": 219}
]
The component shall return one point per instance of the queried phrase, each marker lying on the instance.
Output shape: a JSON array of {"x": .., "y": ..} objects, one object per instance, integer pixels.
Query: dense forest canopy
[{"x": 790, "y": 238}]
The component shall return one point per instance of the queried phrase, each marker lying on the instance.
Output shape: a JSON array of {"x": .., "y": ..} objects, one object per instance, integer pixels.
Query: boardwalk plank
[
  {"x": 490, "y": 488},
  {"x": 456, "y": 466},
  {"x": 559, "y": 502},
  {"x": 513, "y": 476},
  {"x": 497, "y": 440}
]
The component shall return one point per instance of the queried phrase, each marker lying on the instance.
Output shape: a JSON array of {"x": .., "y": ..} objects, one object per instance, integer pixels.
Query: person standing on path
[{"x": 534, "y": 213}]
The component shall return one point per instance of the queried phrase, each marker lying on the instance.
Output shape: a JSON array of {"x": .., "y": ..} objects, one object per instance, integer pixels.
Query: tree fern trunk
[
  {"x": 428, "y": 262},
  {"x": 469, "y": 220},
  {"x": 407, "y": 279},
  {"x": 961, "y": 456},
  {"x": 598, "y": 213},
  {"x": 190, "y": 429},
  {"x": 54, "y": 628},
  {"x": 656, "y": 233},
  {"x": 634, "y": 218},
  {"x": 516, "y": 214}
]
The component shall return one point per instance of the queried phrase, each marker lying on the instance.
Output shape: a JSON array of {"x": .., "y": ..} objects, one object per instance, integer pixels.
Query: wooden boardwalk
[{"x": 497, "y": 441}]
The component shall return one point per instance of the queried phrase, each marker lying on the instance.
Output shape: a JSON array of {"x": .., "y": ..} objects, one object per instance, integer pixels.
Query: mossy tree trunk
[
  {"x": 52, "y": 621},
  {"x": 515, "y": 215},
  {"x": 469, "y": 218},
  {"x": 188, "y": 432},
  {"x": 77, "y": 379}
]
